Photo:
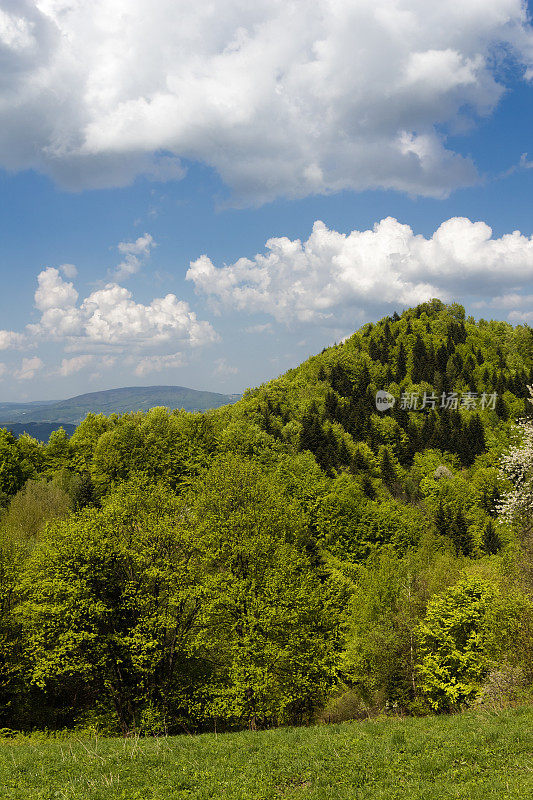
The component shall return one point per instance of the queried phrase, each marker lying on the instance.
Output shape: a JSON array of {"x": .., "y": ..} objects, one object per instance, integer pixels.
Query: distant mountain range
[{"x": 40, "y": 418}]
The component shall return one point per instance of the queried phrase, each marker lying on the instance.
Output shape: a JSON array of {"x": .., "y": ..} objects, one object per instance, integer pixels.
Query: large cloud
[
  {"x": 332, "y": 274},
  {"x": 110, "y": 317},
  {"x": 279, "y": 97}
]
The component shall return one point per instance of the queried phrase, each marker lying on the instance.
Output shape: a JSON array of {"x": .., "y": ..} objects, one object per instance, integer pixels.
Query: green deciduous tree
[
  {"x": 453, "y": 659},
  {"x": 270, "y": 622},
  {"x": 108, "y": 608},
  {"x": 16, "y": 465}
]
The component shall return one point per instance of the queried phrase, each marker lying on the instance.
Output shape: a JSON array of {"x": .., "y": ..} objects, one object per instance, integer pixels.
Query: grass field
[{"x": 475, "y": 756}]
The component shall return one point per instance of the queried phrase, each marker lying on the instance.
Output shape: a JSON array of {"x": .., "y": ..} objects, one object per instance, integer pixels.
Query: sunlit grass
[{"x": 478, "y": 756}]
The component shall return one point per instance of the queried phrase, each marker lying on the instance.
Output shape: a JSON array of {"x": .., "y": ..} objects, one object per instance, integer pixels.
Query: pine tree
[
  {"x": 373, "y": 351},
  {"x": 388, "y": 472},
  {"x": 476, "y": 436},
  {"x": 429, "y": 372},
  {"x": 332, "y": 405},
  {"x": 368, "y": 488},
  {"x": 460, "y": 535},
  {"x": 441, "y": 359},
  {"x": 401, "y": 363},
  {"x": 443, "y": 431},
  {"x": 441, "y": 520},
  {"x": 419, "y": 360},
  {"x": 359, "y": 462},
  {"x": 491, "y": 541},
  {"x": 501, "y": 408}
]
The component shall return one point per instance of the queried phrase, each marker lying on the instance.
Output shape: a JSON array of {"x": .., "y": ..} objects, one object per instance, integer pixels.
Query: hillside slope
[
  {"x": 456, "y": 384},
  {"x": 318, "y": 549}
]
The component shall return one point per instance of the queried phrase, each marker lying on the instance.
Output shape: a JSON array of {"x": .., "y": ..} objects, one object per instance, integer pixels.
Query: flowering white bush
[{"x": 517, "y": 466}]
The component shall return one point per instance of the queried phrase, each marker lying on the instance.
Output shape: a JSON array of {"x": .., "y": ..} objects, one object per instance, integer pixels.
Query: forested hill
[
  {"x": 295, "y": 556},
  {"x": 455, "y": 382}
]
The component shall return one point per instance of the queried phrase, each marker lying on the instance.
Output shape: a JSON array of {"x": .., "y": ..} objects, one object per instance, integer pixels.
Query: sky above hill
[{"x": 206, "y": 193}]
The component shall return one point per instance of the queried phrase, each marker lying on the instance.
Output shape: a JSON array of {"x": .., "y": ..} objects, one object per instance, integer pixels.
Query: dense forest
[{"x": 297, "y": 556}]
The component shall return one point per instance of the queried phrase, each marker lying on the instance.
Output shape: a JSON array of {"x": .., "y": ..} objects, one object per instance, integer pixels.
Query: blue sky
[{"x": 155, "y": 156}]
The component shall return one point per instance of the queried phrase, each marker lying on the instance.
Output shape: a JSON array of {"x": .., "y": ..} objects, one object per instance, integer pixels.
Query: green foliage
[
  {"x": 293, "y": 552},
  {"x": 453, "y": 658},
  {"x": 491, "y": 541},
  {"x": 160, "y": 446},
  {"x": 16, "y": 464},
  {"x": 32, "y": 507},
  {"x": 269, "y": 623},
  {"x": 108, "y": 606},
  {"x": 389, "y": 599}
]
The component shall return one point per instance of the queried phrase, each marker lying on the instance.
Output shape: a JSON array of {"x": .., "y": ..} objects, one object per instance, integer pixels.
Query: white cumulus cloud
[
  {"x": 280, "y": 98},
  {"x": 110, "y": 316},
  {"x": 331, "y": 276}
]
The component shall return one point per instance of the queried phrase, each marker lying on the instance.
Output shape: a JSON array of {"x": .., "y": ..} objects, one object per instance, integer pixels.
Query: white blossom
[{"x": 517, "y": 467}]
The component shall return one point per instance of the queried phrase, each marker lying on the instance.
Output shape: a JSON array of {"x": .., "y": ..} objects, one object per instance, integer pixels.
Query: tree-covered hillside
[
  {"x": 298, "y": 555},
  {"x": 467, "y": 372}
]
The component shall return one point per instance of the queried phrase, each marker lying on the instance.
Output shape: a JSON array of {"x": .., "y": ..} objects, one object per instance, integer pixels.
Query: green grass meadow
[{"x": 474, "y": 755}]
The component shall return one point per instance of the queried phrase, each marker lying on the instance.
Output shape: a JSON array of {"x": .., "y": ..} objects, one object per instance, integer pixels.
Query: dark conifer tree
[
  {"x": 419, "y": 360},
  {"x": 374, "y": 351},
  {"x": 332, "y": 405},
  {"x": 450, "y": 346},
  {"x": 441, "y": 520},
  {"x": 343, "y": 453},
  {"x": 427, "y": 434},
  {"x": 476, "y": 435},
  {"x": 443, "y": 433},
  {"x": 414, "y": 440},
  {"x": 368, "y": 488},
  {"x": 491, "y": 542},
  {"x": 358, "y": 463},
  {"x": 501, "y": 408},
  {"x": 441, "y": 359},
  {"x": 388, "y": 473},
  {"x": 401, "y": 363},
  {"x": 460, "y": 535},
  {"x": 429, "y": 375}
]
